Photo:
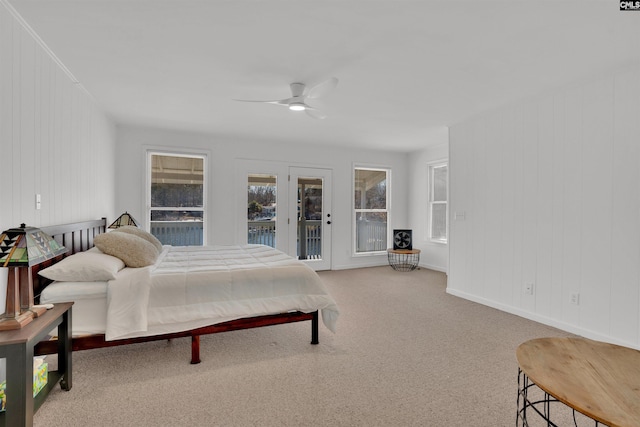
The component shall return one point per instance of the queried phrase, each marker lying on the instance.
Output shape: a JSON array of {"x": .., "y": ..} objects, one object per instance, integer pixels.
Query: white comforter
[{"x": 194, "y": 286}]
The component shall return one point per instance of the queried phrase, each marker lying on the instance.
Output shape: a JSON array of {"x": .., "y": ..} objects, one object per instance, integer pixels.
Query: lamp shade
[
  {"x": 21, "y": 248},
  {"x": 124, "y": 219},
  {"x": 26, "y": 246}
]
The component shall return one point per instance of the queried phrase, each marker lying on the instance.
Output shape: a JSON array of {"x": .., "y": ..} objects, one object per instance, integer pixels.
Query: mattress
[{"x": 89, "y": 312}]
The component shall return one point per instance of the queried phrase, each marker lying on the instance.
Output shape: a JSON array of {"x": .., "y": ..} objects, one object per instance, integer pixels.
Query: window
[
  {"x": 371, "y": 209},
  {"x": 176, "y": 198},
  {"x": 438, "y": 202}
]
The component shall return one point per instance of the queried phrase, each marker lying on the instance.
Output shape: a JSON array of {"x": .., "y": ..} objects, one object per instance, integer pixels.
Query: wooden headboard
[{"x": 77, "y": 237}]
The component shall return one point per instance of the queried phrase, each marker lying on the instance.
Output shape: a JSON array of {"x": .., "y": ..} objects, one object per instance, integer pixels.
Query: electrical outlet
[
  {"x": 528, "y": 288},
  {"x": 575, "y": 298}
]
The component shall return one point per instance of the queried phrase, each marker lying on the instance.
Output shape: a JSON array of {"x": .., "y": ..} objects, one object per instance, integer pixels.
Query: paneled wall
[
  {"x": 548, "y": 193},
  {"x": 54, "y": 140}
]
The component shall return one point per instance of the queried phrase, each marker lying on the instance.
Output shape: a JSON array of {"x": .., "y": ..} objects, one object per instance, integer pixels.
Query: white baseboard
[
  {"x": 433, "y": 267},
  {"x": 361, "y": 265},
  {"x": 382, "y": 264},
  {"x": 567, "y": 327}
]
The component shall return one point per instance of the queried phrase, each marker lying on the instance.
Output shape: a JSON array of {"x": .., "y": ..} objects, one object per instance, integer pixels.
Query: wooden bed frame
[{"x": 78, "y": 237}]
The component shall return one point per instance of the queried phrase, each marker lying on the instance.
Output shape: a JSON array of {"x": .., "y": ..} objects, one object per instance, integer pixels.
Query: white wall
[
  {"x": 433, "y": 255},
  {"x": 225, "y": 153},
  {"x": 54, "y": 141},
  {"x": 550, "y": 190}
]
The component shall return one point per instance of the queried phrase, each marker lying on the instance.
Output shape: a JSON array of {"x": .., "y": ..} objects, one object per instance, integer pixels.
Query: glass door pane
[
  {"x": 309, "y": 218},
  {"x": 261, "y": 209}
]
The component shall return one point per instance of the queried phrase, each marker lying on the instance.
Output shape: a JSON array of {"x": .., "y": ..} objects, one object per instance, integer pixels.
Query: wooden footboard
[
  {"x": 78, "y": 237},
  {"x": 98, "y": 341}
]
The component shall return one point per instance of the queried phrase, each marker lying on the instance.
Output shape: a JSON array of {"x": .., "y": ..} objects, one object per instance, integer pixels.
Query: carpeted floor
[{"x": 405, "y": 354}]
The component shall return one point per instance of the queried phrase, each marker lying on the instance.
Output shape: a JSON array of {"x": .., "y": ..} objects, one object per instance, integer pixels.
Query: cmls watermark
[{"x": 629, "y": 5}]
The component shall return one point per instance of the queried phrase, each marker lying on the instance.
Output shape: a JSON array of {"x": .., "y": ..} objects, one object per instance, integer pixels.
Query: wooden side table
[
  {"x": 597, "y": 379},
  {"x": 403, "y": 259},
  {"x": 17, "y": 346}
]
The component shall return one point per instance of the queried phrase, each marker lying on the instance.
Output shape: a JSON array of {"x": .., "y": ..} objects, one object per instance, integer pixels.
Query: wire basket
[{"x": 403, "y": 261}]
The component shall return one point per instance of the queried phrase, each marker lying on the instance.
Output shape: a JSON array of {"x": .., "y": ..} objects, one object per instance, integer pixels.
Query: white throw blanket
[{"x": 194, "y": 286}]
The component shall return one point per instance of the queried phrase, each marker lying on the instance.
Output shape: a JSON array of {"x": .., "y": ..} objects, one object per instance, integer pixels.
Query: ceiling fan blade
[
  {"x": 278, "y": 102},
  {"x": 322, "y": 88},
  {"x": 316, "y": 114}
]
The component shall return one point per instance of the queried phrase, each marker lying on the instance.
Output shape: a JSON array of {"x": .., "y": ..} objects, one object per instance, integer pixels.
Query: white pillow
[
  {"x": 133, "y": 250},
  {"x": 90, "y": 266},
  {"x": 141, "y": 233}
]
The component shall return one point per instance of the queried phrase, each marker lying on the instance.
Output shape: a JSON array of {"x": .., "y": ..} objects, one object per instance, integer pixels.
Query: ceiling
[{"x": 407, "y": 69}]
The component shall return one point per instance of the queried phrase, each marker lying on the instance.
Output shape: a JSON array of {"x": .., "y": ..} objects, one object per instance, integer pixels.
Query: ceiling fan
[{"x": 299, "y": 95}]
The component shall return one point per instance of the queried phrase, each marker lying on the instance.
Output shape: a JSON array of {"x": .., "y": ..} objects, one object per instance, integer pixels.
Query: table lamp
[
  {"x": 20, "y": 249},
  {"x": 124, "y": 219}
]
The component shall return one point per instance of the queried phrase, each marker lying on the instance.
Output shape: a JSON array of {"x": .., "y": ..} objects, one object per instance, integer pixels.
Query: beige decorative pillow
[
  {"x": 141, "y": 233},
  {"x": 133, "y": 250},
  {"x": 90, "y": 266}
]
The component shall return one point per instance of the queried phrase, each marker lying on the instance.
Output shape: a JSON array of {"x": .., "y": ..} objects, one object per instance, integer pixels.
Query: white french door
[
  {"x": 286, "y": 207},
  {"x": 309, "y": 219}
]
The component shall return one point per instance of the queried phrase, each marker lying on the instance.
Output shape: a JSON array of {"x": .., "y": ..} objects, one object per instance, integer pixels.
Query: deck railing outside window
[
  {"x": 311, "y": 232},
  {"x": 372, "y": 236},
  {"x": 178, "y": 233},
  {"x": 264, "y": 233}
]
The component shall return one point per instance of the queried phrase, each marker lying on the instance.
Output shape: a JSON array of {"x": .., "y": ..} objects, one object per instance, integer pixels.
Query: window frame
[
  {"x": 387, "y": 210},
  {"x": 431, "y": 202},
  {"x": 150, "y": 152}
]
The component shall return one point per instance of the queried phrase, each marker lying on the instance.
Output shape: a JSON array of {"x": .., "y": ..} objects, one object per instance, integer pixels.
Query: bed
[{"x": 122, "y": 296}]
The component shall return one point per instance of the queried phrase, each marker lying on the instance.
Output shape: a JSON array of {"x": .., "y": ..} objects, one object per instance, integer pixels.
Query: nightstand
[{"x": 17, "y": 347}]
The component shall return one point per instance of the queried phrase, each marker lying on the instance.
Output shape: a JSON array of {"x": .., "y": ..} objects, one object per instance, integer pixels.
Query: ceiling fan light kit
[
  {"x": 300, "y": 93},
  {"x": 297, "y": 106}
]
